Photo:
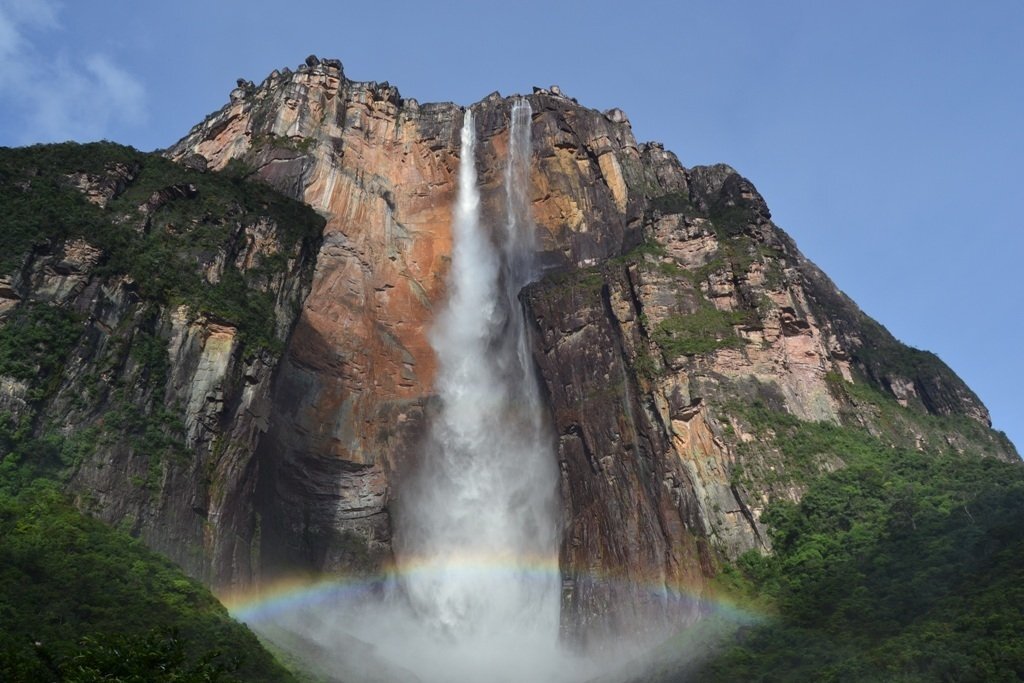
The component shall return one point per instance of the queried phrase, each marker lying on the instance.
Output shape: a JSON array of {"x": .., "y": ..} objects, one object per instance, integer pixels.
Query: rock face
[
  {"x": 159, "y": 389},
  {"x": 354, "y": 378},
  {"x": 669, "y": 299},
  {"x": 669, "y": 308},
  {"x": 358, "y": 369}
]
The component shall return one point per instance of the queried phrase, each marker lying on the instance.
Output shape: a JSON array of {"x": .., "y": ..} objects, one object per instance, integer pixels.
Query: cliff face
[
  {"x": 358, "y": 370},
  {"x": 671, "y": 317},
  {"x": 351, "y": 388},
  {"x": 671, "y": 304},
  {"x": 141, "y": 329}
]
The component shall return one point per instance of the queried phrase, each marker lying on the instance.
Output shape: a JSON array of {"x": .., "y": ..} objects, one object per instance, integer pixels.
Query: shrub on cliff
[{"x": 902, "y": 565}]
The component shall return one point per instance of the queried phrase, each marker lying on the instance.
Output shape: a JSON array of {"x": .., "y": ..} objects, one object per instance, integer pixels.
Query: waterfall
[
  {"x": 476, "y": 591},
  {"x": 478, "y": 527}
]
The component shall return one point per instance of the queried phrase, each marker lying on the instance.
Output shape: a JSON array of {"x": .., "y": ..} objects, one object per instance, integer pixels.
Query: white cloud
[
  {"x": 64, "y": 96},
  {"x": 124, "y": 92},
  {"x": 17, "y": 16},
  {"x": 34, "y": 13},
  {"x": 10, "y": 40}
]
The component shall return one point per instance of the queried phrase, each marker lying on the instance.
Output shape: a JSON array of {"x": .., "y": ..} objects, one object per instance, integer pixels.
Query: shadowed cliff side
[{"x": 143, "y": 309}]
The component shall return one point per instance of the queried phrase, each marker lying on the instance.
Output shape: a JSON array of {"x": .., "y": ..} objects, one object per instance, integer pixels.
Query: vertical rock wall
[
  {"x": 668, "y": 299},
  {"x": 158, "y": 405}
]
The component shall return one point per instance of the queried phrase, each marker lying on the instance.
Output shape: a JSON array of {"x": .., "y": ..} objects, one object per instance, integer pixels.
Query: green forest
[
  {"x": 901, "y": 566},
  {"x": 82, "y": 602}
]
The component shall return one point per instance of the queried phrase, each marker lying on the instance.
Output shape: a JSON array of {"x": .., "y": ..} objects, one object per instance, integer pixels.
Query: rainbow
[{"x": 297, "y": 593}]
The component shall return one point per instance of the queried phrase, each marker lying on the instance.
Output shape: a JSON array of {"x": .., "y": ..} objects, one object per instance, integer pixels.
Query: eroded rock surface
[
  {"x": 668, "y": 310},
  {"x": 161, "y": 401},
  {"x": 668, "y": 298}
]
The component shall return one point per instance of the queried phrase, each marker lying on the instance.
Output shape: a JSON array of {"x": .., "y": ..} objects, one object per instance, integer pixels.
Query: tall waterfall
[
  {"x": 476, "y": 592},
  {"x": 478, "y": 529}
]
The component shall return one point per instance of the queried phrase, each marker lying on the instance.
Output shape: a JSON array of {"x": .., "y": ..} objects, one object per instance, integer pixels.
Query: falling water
[
  {"x": 477, "y": 591},
  {"x": 482, "y": 517}
]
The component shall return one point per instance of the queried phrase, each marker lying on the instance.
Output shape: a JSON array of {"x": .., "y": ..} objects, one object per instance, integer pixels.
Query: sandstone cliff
[
  {"x": 671, "y": 304},
  {"x": 672, "y": 316}
]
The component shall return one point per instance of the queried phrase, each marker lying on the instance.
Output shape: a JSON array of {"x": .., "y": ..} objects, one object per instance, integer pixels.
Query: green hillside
[
  {"x": 82, "y": 602},
  {"x": 901, "y": 566}
]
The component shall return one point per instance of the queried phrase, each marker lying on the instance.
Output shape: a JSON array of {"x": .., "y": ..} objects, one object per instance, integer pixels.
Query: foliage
[
  {"x": 705, "y": 330},
  {"x": 582, "y": 284},
  {"x": 646, "y": 365},
  {"x": 25, "y": 458},
  {"x": 251, "y": 310},
  {"x": 34, "y": 343},
  {"x": 732, "y": 220},
  {"x": 672, "y": 202},
  {"x": 296, "y": 144},
  {"x": 164, "y": 248},
  {"x": 884, "y": 357},
  {"x": 160, "y": 656},
  {"x": 651, "y": 255},
  {"x": 804, "y": 446},
  {"x": 82, "y": 602},
  {"x": 39, "y": 203},
  {"x": 645, "y": 249},
  {"x": 150, "y": 351},
  {"x": 911, "y": 428},
  {"x": 902, "y": 565}
]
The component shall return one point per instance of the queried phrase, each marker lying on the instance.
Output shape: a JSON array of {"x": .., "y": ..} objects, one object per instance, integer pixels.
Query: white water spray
[
  {"x": 480, "y": 526},
  {"x": 477, "y": 593}
]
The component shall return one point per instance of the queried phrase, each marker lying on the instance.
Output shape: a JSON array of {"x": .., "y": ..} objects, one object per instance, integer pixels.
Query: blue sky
[{"x": 886, "y": 136}]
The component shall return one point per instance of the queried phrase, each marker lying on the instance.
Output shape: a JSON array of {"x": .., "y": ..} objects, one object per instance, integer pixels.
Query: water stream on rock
[
  {"x": 475, "y": 595},
  {"x": 477, "y": 530}
]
